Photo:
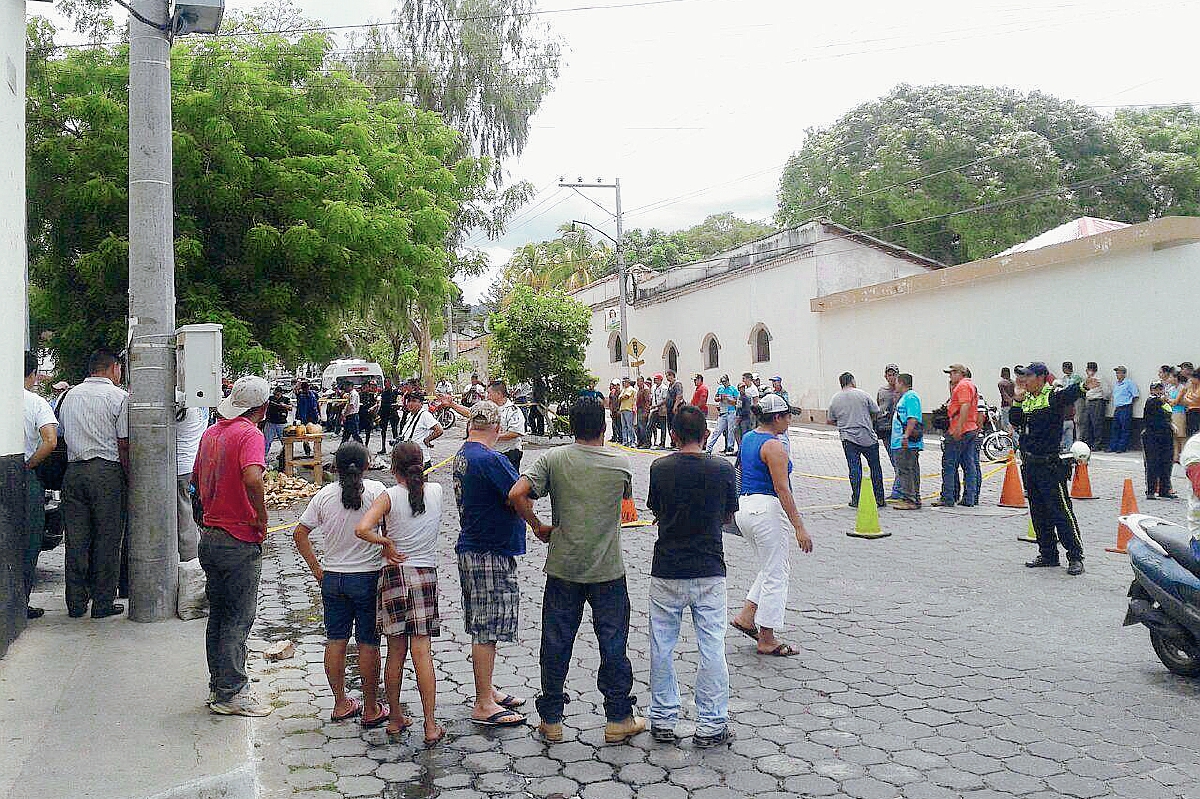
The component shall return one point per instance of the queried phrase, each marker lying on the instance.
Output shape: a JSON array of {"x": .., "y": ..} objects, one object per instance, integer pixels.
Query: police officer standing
[{"x": 1037, "y": 413}]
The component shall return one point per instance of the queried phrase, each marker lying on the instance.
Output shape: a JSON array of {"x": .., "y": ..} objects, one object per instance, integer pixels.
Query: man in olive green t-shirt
[{"x": 585, "y": 483}]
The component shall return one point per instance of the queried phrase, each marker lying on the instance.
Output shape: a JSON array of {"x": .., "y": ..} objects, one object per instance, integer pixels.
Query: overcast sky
[{"x": 696, "y": 104}]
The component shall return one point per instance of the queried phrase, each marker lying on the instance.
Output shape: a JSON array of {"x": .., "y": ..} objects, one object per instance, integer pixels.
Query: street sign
[
  {"x": 636, "y": 363},
  {"x": 636, "y": 348}
]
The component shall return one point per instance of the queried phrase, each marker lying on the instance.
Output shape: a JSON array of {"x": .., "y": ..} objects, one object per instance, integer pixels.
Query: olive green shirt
[{"x": 585, "y": 486}]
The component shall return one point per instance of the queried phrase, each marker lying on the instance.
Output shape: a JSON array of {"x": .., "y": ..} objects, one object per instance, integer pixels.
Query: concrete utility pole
[
  {"x": 622, "y": 276},
  {"x": 153, "y": 532}
]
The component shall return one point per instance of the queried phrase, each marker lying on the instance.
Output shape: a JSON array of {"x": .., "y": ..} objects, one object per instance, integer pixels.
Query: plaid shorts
[
  {"x": 408, "y": 601},
  {"x": 491, "y": 596}
]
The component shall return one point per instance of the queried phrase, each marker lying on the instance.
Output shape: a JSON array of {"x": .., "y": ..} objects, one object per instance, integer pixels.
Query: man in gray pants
[{"x": 95, "y": 425}]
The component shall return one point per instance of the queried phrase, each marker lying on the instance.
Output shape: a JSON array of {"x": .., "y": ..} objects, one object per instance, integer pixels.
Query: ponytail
[
  {"x": 351, "y": 462},
  {"x": 408, "y": 466}
]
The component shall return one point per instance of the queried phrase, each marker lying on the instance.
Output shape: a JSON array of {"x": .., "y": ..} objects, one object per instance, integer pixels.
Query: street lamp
[{"x": 197, "y": 16}]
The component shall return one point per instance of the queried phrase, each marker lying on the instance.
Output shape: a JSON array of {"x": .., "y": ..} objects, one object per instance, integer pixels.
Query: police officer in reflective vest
[{"x": 1037, "y": 413}]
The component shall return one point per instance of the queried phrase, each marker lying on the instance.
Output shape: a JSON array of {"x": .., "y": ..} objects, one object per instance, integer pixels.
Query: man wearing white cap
[{"x": 229, "y": 484}]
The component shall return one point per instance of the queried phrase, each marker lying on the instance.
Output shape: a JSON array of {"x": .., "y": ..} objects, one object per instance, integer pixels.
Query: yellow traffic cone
[
  {"x": 866, "y": 525},
  {"x": 1030, "y": 536}
]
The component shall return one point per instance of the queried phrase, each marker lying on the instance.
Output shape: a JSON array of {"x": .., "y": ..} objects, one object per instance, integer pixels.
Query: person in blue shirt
[
  {"x": 1124, "y": 392},
  {"x": 727, "y": 401},
  {"x": 907, "y": 443}
]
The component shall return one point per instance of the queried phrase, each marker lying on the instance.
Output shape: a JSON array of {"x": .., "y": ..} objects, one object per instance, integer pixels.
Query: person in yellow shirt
[{"x": 628, "y": 405}]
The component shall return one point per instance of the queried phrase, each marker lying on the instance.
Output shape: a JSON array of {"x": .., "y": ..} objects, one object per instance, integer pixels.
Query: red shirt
[
  {"x": 700, "y": 398},
  {"x": 226, "y": 448},
  {"x": 963, "y": 407}
]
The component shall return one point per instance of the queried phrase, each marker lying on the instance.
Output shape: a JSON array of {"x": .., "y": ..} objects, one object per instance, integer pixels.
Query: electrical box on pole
[{"x": 198, "y": 362}]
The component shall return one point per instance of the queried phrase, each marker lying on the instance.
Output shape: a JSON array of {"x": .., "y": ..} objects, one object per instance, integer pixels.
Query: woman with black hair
[
  {"x": 411, "y": 516},
  {"x": 347, "y": 576}
]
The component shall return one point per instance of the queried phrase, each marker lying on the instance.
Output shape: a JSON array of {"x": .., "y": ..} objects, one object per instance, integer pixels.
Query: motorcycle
[
  {"x": 1165, "y": 594},
  {"x": 441, "y": 410}
]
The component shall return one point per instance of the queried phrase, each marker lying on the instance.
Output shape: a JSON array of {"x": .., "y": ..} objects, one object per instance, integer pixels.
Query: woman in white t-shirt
[
  {"x": 411, "y": 516},
  {"x": 348, "y": 576}
]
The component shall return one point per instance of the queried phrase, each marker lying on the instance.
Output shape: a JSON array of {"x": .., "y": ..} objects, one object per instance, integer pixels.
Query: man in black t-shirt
[
  {"x": 388, "y": 414},
  {"x": 278, "y": 408},
  {"x": 692, "y": 495}
]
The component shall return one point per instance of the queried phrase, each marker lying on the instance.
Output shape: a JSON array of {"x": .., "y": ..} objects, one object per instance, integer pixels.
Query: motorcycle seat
[{"x": 1178, "y": 543}]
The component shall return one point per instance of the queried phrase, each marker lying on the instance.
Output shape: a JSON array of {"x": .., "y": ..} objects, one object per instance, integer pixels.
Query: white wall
[
  {"x": 12, "y": 222},
  {"x": 1115, "y": 309}
]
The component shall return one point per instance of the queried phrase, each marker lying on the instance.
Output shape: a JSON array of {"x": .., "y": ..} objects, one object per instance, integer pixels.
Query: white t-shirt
[
  {"x": 344, "y": 551},
  {"x": 415, "y": 536},
  {"x": 416, "y": 428},
  {"x": 511, "y": 421},
  {"x": 353, "y": 402},
  {"x": 188, "y": 431},
  {"x": 37, "y": 416}
]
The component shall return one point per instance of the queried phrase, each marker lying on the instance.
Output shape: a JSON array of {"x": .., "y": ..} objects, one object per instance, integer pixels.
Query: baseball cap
[
  {"x": 754, "y": 375},
  {"x": 658, "y": 376},
  {"x": 614, "y": 382},
  {"x": 248, "y": 392},
  {"x": 1120, "y": 369},
  {"x": 419, "y": 396},
  {"x": 776, "y": 379},
  {"x": 484, "y": 414},
  {"x": 61, "y": 385},
  {"x": 772, "y": 403},
  {"x": 954, "y": 367},
  {"x": 891, "y": 367},
  {"x": 1036, "y": 368}
]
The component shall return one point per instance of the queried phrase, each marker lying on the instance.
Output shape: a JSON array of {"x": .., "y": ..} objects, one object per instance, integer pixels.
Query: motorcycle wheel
[
  {"x": 1180, "y": 657},
  {"x": 445, "y": 418},
  {"x": 996, "y": 446}
]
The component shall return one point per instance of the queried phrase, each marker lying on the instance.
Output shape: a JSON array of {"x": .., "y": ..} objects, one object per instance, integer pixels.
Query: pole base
[{"x": 856, "y": 534}]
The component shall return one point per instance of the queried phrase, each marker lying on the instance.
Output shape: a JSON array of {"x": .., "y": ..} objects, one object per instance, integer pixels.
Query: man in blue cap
[{"x": 1037, "y": 413}]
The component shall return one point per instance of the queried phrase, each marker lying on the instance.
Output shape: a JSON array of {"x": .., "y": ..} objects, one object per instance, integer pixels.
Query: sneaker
[
  {"x": 664, "y": 735},
  {"x": 616, "y": 732},
  {"x": 709, "y": 741},
  {"x": 244, "y": 703},
  {"x": 34, "y": 613},
  {"x": 1075, "y": 568},
  {"x": 1041, "y": 563},
  {"x": 551, "y": 733}
]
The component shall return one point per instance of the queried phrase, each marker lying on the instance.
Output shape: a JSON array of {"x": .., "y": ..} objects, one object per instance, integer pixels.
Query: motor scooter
[{"x": 1165, "y": 594}]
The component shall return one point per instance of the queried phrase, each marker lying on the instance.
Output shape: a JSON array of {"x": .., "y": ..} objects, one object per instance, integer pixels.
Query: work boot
[
  {"x": 551, "y": 732},
  {"x": 1041, "y": 563},
  {"x": 616, "y": 732},
  {"x": 104, "y": 613},
  {"x": 1075, "y": 567}
]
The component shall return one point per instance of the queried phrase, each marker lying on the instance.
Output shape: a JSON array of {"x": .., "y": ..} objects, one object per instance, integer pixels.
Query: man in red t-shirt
[
  {"x": 228, "y": 476},
  {"x": 700, "y": 395},
  {"x": 960, "y": 446}
]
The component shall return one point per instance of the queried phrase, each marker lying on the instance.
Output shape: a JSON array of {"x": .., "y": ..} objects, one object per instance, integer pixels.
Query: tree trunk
[{"x": 419, "y": 326}]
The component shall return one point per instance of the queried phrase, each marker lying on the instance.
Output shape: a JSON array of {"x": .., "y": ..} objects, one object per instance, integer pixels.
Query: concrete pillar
[{"x": 12, "y": 325}]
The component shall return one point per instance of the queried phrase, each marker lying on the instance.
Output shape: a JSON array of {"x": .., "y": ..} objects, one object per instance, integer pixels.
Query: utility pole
[
  {"x": 451, "y": 343},
  {"x": 153, "y": 534},
  {"x": 622, "y": 278}
]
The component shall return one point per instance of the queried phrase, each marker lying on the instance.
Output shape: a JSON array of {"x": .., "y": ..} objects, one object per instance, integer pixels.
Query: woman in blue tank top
[{"x": 765, "y": 514}]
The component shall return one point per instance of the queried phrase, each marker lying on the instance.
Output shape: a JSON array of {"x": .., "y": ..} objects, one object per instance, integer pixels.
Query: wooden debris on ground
[
  {"x": 280, "y": 650},
  {"x": 283, "y": 491}
]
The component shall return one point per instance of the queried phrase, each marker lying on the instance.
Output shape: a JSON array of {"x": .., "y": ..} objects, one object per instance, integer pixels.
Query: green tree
[
  {"x": 1170, "y": 139},
  {"x": 540, "y": 338},
  {"x": 905, "y": 166},
  {"x": 296, "y": 194},
  {"x": 716, "y": 234}
]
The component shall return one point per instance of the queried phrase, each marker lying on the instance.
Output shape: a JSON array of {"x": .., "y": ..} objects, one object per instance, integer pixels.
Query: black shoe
[
  {"x": 937, "y": 503},
  {"x": 77, "y": 613},
  {"x": 34, "y": 613},
  {"x": 1151, "y": 496},
  {"x": 1041, "y": 563},
  {"x": 709, "y": 741},
  {"x": 851, "y": 504},
  {"x": 1075, "y": 568},
  {"x": 664, "y": 735},
  {"x": 111, "y": 610}
]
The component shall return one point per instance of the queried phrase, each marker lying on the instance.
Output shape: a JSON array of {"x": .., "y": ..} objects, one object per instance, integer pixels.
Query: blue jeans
[
  {"x": 562, "y": 613},
  {"x": 706, "y": 598},
  {"x": 628, "y": 429},
  {"x": 725, "y": 423},
  {"x": 272, "y": 433},
  {"x": 961, "y": 453},
  {"x": 350, "y": 429},
  {"x": 854, "y": 455},
  {"x": 1118, "y": 439},
  {"x": 885, "y": 441}
]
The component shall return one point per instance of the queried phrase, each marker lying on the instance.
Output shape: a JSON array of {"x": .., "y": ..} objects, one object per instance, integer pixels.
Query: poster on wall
[{"x": 612, "y": 319}]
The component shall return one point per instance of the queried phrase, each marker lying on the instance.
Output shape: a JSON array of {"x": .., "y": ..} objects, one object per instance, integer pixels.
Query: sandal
[
  {"x": 752, "y": 632},
  {"x": 781, "y": 651},
  {"x": 384, "y": 714},
  {"x": 431, "y": 742},
  {"x": 510, "y": 702},
  {"x": 356, "y": 708},
  {"x": 404, "y": 725},
  {"x": 497, "y": 719}
]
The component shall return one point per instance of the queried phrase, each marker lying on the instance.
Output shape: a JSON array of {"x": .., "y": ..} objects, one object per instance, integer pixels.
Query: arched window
[
  {"x": 710, "y": 351},
  {"x": 671, "y": 357},
  {"x": 616, "y": 348},
  {"x": 760, "y": 343}
]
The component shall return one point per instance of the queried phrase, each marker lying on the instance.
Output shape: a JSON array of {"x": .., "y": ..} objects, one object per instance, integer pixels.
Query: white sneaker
[{"x": 244, "y": 703}]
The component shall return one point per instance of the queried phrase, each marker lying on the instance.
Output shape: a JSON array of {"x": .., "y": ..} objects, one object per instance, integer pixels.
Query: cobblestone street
[{"x": 933, "y": 665}]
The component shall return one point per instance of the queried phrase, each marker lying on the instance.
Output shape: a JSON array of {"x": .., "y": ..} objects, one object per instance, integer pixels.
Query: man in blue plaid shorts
[{"x": 490, "y": 539}]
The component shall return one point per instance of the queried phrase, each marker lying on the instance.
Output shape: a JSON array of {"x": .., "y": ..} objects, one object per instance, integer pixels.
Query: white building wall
[
  {"x": 1115, "y": 309},
  {"x": 12, "y": 223}
]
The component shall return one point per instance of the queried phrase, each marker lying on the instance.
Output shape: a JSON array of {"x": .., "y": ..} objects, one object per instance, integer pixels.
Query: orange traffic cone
[
  {"x": 628, "y": 511},
  {"x": 1081, "y": 484},
  {"x": 1128, "y": 506},
  {"x": 1012, "y": 495}
]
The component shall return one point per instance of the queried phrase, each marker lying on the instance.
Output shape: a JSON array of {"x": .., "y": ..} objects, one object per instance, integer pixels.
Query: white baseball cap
[
  {"x": 248, "y": 392},
  {"x": 772, "y": 403}
]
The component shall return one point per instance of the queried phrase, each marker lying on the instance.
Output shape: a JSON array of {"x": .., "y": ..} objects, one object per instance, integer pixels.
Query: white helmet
[{"x": 1081, "y": 452}]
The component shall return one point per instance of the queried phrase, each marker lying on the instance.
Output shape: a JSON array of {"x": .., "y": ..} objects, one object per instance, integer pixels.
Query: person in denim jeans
[
  {"x": 585, "y": 483},
  {"x": 692, "y": 494},
  {"x": 229, "y": 483},
  {"x": 960, "y": 445}
]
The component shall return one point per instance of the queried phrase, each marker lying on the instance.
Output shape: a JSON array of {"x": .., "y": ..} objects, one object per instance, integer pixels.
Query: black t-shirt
[
  {"x": 387, "y": 401},
  {"x": 691, "y": 495},
  {"x": 277, "y": 410}
]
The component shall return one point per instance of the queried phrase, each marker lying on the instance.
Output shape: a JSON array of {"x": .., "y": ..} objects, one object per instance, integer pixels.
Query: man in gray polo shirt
[
  {"x": 95, "y": 424},
  {"x": 853, "y": 411}
]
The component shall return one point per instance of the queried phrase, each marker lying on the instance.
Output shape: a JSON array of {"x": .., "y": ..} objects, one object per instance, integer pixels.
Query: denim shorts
[{"x": 349, "y": 600}]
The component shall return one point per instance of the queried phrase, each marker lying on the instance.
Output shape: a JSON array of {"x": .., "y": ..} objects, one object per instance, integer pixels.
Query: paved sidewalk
[{"x": 932, "y": 666}]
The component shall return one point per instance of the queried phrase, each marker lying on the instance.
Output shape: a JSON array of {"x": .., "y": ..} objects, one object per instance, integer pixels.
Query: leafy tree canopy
[
  {"x": 295, "y": 193},
  {"x": 905, "y": 168},
  {"x": 716, "y": 234},
  {"x": 540, "y": 338}
]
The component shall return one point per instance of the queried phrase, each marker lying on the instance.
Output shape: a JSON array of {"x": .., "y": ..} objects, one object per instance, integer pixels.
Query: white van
[{"x": 350, "y": 370}]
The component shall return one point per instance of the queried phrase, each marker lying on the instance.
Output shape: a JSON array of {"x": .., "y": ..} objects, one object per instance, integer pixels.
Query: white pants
[{"x": 767, "y": 530}]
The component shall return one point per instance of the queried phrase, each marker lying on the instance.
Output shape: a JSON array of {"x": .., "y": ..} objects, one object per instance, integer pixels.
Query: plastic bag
[{"x": 192, "y": 602}]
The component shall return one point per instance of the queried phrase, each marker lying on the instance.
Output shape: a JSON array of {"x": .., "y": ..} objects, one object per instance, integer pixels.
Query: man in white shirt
[
  {"x": 420, "y": 425},
  {"x": 658, "y": 411},
  {"x": 188, "y": 430},
  {"x": 350, "y": 416},
  {"x": 41, "y": 437},
  {"x": 512, "y": 423},
  {"x": 95, "y": 425}
]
